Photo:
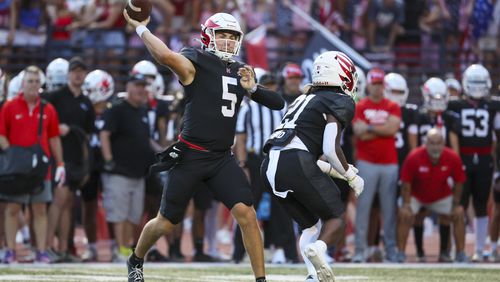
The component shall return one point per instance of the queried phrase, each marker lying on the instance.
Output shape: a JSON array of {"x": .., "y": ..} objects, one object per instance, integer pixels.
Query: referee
[{"x": 255, "y": 124}]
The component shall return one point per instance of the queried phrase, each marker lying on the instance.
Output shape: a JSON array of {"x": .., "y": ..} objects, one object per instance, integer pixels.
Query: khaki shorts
[
  {"x": 43, "y": 197},
  {"x": 442, "y": 206},
  {"x": 123, "y": 198}
]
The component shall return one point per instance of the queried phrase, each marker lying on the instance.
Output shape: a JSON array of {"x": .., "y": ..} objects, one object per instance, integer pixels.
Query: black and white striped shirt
[{"x": 258, "y": 122}]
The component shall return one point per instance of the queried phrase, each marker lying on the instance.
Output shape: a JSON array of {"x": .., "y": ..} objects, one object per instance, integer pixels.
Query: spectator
[
  {"x": 426, "y": 177},
  {"x": 356, "y": 17},
  {"x": 31, "y": 20},
  {"x": 23, "y": 131},
  {"x": 385, "y": 19},
  {"x": 292, "y": 77},
  {"x": 8, "y": 9},
  {"x": 375, "y": 124},
  {"x": 126, "y": 127},
  {"x": 77, "y": 117}
]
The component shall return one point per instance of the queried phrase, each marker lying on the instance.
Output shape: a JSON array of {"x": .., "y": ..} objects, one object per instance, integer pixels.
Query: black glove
[
  {"x": 168, "y": 158},
  {"x": 109, "y": 166}
]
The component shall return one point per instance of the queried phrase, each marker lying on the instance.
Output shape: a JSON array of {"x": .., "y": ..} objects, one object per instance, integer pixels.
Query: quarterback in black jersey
[
  {"x": 476, "y": 114},
  {"x": 214, "y": 87},
  {"x": 312, "y": 127}
]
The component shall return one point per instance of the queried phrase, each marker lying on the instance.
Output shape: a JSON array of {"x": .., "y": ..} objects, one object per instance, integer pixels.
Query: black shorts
[
  {"x": 92, "y": 187},
  {"x": 313, "y": 194},
  {"x": 478, "y": 183},
  {"x": 218, "y": 170},
  {"x": 153, "y": 185},
  {"x": 203, "y": 197}
]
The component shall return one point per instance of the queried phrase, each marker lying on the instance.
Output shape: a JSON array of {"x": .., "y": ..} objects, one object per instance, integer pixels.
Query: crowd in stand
[{"x": 103, "y": 142}]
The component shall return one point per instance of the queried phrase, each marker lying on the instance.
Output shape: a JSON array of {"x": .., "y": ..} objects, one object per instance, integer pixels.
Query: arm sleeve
[{"x": 268, "y": 98}]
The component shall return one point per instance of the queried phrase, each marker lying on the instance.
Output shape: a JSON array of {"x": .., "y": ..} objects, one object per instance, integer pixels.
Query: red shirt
[
  {"x": 430, "y": 183},
  {"x": 381, "y": 149},
  {"x": 21, "y": 127}
]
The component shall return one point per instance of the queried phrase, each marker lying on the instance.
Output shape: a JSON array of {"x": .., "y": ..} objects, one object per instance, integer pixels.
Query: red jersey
[
  {"x": 430, "y": 183},
  {"x": 381, "y": 149},
  {"x": 20, "y": 126}
]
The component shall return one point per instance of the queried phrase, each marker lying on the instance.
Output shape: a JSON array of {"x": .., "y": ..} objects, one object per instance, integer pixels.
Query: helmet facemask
[{"x": 221, "y": 23}]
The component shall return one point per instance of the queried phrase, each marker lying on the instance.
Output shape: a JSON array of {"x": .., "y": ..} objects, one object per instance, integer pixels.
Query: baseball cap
[
  {"x": 77, "y": 62},
  {"x": 137, "y": 78},
  {"x": 292, "y": 70},
  {"x": 375, "y": 75}
]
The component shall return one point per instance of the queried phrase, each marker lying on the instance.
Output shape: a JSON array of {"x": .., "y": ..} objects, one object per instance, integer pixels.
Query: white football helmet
[
  {"x": 145, "y": 67},
  {"x": 435, "y": 94},
  {"x": 334, "y": 68},
  {"x": 454, "y": 84},
  {"x": 98, "y": 86},
  {"x": 476, "y": 81},
  {"x": 221, "y": 22},
  {"x": 57, "y": 74},
  {"x": 361, "y": 85},
  {"x": 2, "y": 84},
  {"x": 395, "y": 88},
  {"x": 158, "y": 87}
]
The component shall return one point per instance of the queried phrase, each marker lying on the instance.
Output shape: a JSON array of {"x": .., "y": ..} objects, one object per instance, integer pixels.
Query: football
[{"x": 138, "y": 10}]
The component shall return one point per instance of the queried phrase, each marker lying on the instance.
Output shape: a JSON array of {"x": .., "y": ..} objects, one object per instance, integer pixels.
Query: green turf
[{"x": 242, "y": 273}]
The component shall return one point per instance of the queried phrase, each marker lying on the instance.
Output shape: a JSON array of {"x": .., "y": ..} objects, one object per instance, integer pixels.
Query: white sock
[
  {"x": 25, "y": 230},
  {"x": 481, "y": 233},
  {"x": 308, "y": 235},
  {"x": 493, "y": 246}
]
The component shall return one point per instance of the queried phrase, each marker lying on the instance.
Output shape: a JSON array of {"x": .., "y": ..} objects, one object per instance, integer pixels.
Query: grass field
[{"x": 237, "y": 273}]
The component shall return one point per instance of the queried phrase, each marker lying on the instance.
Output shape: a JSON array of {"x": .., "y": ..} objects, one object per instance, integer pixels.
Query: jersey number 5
[
  {"x": 228, "y": 96},
  {"x": 469, "y": 117}
]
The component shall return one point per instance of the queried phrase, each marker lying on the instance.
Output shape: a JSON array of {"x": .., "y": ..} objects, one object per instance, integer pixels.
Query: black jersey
[
  {"x": 408, "y": 117},
  {"x": 476, "y": 121},
  {"x": 307, "y": 117},
  {"x": 447, "y": 121},
  {"x": 212, "y": 101}
]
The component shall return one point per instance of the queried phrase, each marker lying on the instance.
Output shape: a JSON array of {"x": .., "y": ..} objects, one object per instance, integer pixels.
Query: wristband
[
  {"x": 242, "y": 164},
  {"x": 140, "y": 29},
  {"x": 251, "y": 91}
]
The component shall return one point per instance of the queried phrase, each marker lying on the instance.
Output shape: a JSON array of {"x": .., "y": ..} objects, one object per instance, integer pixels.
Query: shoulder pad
[{"x": 190, "y": 53}]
